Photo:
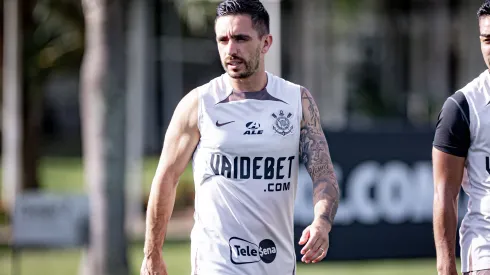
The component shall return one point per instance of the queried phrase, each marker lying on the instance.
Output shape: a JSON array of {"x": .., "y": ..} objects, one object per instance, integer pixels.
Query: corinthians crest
[{"x": 282, "y": 125}]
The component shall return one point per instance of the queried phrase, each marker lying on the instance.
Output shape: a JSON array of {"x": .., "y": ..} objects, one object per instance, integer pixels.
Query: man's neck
[{"x": 254, "y": 83}]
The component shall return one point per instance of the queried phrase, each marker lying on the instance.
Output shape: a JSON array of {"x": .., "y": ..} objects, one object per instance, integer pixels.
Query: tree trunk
[
  {"x": 103, "y": 99},
  {"x": 31, "y": 134},
  {"x": 31, "y": 102},
  {"x": 11, "y": 104}
]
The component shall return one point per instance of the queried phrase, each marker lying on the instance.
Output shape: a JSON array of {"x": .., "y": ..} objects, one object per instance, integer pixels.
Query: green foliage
[
  {"x": 198, "y": 15},
  {"x": 55, "y": 40},
  {"x": 3, "y": 214}
]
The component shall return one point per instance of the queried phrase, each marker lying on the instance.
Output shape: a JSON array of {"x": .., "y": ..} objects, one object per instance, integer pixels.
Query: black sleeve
[{"x": 452, "y": 133}]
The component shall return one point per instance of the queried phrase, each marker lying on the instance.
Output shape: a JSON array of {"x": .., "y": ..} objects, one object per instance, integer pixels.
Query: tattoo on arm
[{"x": 314, "y": 153}]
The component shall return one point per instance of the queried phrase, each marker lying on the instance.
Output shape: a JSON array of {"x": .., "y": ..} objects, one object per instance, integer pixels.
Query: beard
[{"x": 250, "y": 66}]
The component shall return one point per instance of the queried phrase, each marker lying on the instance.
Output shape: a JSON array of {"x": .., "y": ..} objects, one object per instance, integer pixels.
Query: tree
[
  {"x": 52, "y": 35},
  {"x": 103, "y": 110},
  {"x": 53, "y": 41}
]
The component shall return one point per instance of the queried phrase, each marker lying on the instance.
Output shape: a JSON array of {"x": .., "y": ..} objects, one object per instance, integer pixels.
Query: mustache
[{"x": 234, "y": 58}]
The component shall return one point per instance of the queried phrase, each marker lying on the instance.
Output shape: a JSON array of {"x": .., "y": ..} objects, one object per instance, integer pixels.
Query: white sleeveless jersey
[
  {"x": 245, "y": 173},
  {"x": 475, "y": 227}
]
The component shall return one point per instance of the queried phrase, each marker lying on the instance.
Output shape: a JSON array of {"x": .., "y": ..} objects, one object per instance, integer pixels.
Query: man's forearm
[
  {"x": 159, "y": 211},
  {"x": 326, "y": 200},
  {"x": 445, "y": 222},
  {"x": 315, "y": 154}
]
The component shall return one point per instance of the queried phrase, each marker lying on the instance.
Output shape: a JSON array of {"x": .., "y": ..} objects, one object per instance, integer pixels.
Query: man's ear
[{"x": 267, "y": 43}]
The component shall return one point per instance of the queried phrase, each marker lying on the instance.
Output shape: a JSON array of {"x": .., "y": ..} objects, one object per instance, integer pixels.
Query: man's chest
[{"x": 252, "y": 128}]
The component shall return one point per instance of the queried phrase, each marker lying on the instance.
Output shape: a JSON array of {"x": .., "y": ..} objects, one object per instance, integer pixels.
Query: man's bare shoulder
[
  {"x": 189, "y": 101},
  {"x": 192, "y": 96},
  {"x": 186, "y": 112}
]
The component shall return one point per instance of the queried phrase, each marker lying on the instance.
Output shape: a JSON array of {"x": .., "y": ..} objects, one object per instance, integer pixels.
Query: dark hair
[
  {"x": 253, "y": 8},
  {"x": 484, "y": 10}
]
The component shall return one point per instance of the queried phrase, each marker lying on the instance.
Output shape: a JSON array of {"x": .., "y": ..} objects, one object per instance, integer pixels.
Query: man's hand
[
  {"x": 317, "y": 242},
  {"x": 153, "y": 266},
  {"x": 448, "y": 271}
]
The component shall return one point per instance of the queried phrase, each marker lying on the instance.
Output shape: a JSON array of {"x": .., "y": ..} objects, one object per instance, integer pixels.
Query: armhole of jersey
[
  {"x": 199, "y": 109},
  {"x": 196, "y": 259},
  {"x": 466, "y": 112},
  {"x": 474, "y": 118},
  {"x": 300, "y": 107}
]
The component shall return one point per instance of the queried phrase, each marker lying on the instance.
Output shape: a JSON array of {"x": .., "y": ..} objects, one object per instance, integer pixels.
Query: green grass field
[
  {"x": 66, "y": 175},
  {"x": 66, "y": 262}
]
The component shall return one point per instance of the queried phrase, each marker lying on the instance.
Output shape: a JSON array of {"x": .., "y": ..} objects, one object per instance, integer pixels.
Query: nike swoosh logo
[{"x": 222, "y": 124}]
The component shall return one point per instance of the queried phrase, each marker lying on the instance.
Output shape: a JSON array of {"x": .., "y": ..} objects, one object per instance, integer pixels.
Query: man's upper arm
[
  {"x": 181, "y": 138},
  {"x": 451, "y": 143},
  {"x": 314, "y": 151}
]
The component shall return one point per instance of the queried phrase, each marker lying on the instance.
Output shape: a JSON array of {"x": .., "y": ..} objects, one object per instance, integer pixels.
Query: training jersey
[
  {"x": 463, "y": 130},
  {"x": 245, "y": 173}
]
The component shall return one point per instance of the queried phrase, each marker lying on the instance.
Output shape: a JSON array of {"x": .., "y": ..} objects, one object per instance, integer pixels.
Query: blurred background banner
[
  {"x": 379, "y": 70},
  {"x": 386, "y": 203},
  {"x": 48, "y": 220}
]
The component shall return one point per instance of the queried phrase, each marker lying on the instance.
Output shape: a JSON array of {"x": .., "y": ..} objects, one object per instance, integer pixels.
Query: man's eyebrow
[
  {"x": 240, "y": 35},
  {"x": 486, "y": 35},
  {"x": 236, "y": 36}
]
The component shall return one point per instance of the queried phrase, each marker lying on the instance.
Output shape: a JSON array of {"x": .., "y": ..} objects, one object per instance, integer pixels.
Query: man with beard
[
  {"x": 462, "y": 142},
  {"x": 246, "y": 132}
]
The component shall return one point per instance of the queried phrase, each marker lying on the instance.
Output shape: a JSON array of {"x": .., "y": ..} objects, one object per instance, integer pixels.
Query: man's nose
[{"x": 232, "y": 48}]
